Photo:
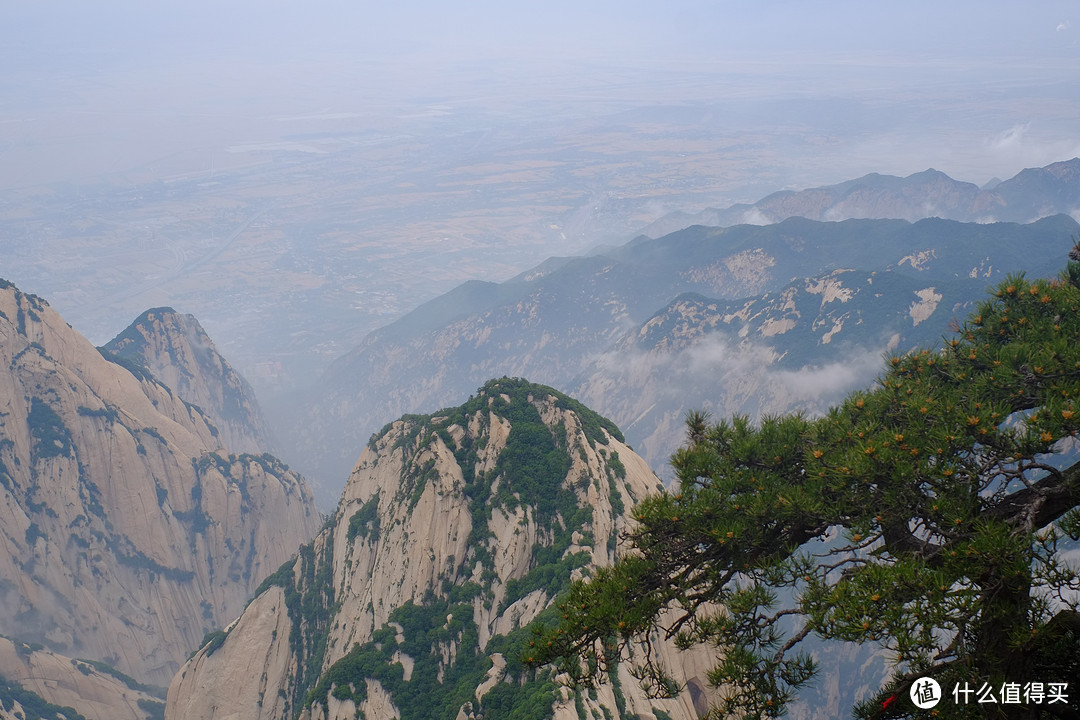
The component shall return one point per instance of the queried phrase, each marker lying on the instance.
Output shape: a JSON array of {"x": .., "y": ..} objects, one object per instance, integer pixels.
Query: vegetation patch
[
  {"x": 152, "y": 432},
  {"x": 33, "y": 532},
  {"x": 533, "y": 467},
  {"x": 551, "y": 574},
  {"x": 615, "y": 465},
  {"x": 311, "y": 605},
  {"x": 107, "y": 669},
  {"x": 209, "y": 460},
  {"x": 5, "y": 477},
  {"x": 365, "y": 521},
  {"x": 212, "y": 641},
  {"x": 270, "y": 464},
  {"x": 108, "y": 412},
  {"x": 195, "y": 519},
  {"x": 154, "y": 709},
  {"x": 136, "y": 368},
  {"x": 52, "y": 437},
  {"x": 593, "y": 424},
  {"x": 427, "y": 631},
  {"x": 33, "y": 706},
  {"x": 139, "y": 561},
  {"x": 415, "y": 477},
  {"x": 90, "y": 495}
]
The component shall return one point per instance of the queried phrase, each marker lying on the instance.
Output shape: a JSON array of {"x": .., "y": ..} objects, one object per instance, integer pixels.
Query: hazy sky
[
  {"x": 914, "y": 31},
  {"x": 366, "y": 157},
  {"x": 128, "y": 66},
  {"x": 757, "y": 96}
]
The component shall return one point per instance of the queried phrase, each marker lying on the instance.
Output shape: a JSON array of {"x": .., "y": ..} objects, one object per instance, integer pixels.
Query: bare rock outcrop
[
  {"x": 91, "y": 688},
  {"x": 127, "y": 529},
  {"x": 176, "y": 349},
  {"x": 454, "y": 532}
]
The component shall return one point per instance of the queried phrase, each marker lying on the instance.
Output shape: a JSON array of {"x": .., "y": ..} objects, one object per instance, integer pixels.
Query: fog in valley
[{"x": 299, "y": 175}]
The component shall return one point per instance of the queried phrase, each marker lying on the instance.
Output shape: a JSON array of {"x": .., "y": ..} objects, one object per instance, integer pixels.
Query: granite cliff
[
  {"x": 75, "y": 688},
  {"x": 127, "y": 528},
  {"x": 455, "y": 530},
  {"x": 179, "y": 353}
]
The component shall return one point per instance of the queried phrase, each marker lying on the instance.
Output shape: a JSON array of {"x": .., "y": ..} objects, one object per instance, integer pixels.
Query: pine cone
[{"x": 1074, "y": 254}]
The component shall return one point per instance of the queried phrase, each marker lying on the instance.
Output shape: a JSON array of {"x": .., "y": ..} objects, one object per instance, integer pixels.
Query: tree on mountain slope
[{"x": 925, "y": 515}]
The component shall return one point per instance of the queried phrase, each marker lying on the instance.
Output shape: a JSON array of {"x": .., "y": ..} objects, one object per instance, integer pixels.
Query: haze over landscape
[
  {"x": 294, "y": 232},
  {"x": 296, "y": 177}
]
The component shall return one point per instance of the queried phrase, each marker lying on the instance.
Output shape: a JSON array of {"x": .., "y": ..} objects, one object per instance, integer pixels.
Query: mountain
[
  {"x": 454, "y": 531},
  {"x": 567, "y": 321},
  {"x": 179, "y": 353},
  {"x": 127, "y": 529},
  {"x": 1032, "y": 194},
  {"x": 802, "y": 347},
  {"x": 88, "y": 689},
  {"x": 1043, "y": 191}
]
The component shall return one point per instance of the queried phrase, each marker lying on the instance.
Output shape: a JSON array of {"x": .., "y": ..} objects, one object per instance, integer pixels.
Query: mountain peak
[
  {"x": 455, "y": 531},
  {"x": 125, "y": 525},
  {"x": 178, "y": 351},
  {"x": 1065, "y": 168},
  {"x": 509, "y": 390},
  {"x": 928, "y": 174}
]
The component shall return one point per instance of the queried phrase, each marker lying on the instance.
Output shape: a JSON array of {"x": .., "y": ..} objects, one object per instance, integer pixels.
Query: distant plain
[{"x": 296, "y": 180}]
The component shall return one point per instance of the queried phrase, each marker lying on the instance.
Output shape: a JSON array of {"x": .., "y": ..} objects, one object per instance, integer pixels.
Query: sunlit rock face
[
  {"x": 127, "y": 528},
  {"x": 455, "y": 531},
  {"x": 94, "y": 690},
  {"x": 176, "y": 349}
]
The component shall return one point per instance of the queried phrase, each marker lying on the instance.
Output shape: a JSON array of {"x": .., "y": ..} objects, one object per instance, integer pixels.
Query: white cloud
[
  {"x": 648, "y": 393},
  {"x": 754, "y": 216},
  {"x": 1024, "y": 145},
  {"x": 817, "y": 387},
  {"x": 1010, "y": 138}
]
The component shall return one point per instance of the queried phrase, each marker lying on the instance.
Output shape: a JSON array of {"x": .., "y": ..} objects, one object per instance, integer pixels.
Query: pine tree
[{"x": 924, "y": 515}]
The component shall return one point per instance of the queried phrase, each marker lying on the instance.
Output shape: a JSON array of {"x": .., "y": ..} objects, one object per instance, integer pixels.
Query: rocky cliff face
[
  {"x": 454, "y": 532},
  {"x": 94, "y": 690},
  {"x": 179, "y": 353},
  {"x": 127, "y": 529},
  {"x": 801, "y": 348}
]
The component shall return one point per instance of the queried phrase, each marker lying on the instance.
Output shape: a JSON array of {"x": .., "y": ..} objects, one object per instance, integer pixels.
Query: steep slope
[
  {"x": 800, "y": 348},
  {"x": 179, "y": 353},
  {"x": 1032, "y": 194},
  {"x": 553, "y": 321},
  {"x": 1038, "y": 192},
  {"x": 126, "y": 528},
  {"x": 454, "y": 531},
  {"x": 17, "y": 703},
  {"x": 93, "y": 689}
]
